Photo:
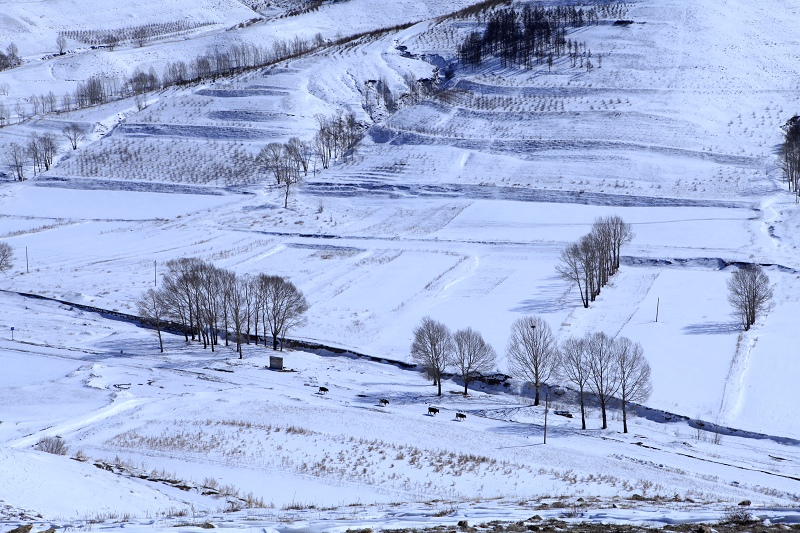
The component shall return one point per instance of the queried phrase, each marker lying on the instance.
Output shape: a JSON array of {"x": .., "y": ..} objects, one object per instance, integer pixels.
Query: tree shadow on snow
[
  {"x": 712, "y": 328},
  {"x": 533, "y": 431},
  {"x": 553, "y": 297}
]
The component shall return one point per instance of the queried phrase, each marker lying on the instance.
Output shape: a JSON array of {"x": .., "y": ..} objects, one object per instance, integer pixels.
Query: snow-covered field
[{"x": 456, "y": 207}]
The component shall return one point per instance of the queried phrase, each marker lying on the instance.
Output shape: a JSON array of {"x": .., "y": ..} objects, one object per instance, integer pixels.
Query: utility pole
[
  {"x": 658, "y": 301},
  {"x": 546, "y": 408},
  {"x": 27, "y": 265},
  {"x": 155, "y": 274}
]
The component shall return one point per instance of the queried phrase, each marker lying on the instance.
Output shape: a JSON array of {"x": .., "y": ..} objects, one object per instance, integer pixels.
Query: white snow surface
[{"x": 455, "y": 207}]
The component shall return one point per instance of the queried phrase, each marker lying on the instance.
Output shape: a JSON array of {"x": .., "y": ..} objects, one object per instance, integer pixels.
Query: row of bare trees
[
  {"x": 102, "y": 88},
  {"x": 606, "y": 367},
  {"x": 288, "y": 162},
  {"x": 39, "y": 151},
  {"x": 595, "y": 364},
  {"x": 135, "y": 34},
  {"x": 590, "y": 262},
  {"x": 336, "y": 137},
  {"x": 436, "y": 349},
  {"x": 208, "y": 302},
  {"x": 524, "y": 37},
  {"x": 598, "y": 364}
]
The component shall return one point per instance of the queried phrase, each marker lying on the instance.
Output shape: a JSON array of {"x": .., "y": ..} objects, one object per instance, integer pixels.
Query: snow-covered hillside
[{"x": 457, "y": 206}]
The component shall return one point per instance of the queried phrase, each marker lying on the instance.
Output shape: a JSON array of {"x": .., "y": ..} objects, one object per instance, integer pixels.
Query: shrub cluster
[
  {"x": 10, "y": 58},
  {"x": 54, "y": 445}
]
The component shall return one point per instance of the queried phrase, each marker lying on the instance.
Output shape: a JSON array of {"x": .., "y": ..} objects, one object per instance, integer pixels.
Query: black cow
[
  {"x": 323, "y": 390},
  {"x": 383, "y": 401},
  {"x": 461, "y": 416},
  {"x": 433, "y": 411}
]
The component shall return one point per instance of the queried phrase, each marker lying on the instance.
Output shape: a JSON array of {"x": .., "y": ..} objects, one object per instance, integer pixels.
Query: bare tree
[
  {"x": 284, "y": 162},
  {"x": 74, "y": 134},
  {"x": 433, "y": 348},
  {"x": 61, "y": 42},
  {"x": 284, "y": 306},
  {"x": 291, "y": 176},
  {"x": 111, "y": 40},
  {"x": 299, "y": 153},
  {"x": 621, "y": 233},
  {"x": 152, "y": 306},
  {"x": 634, "y": 375},
  {"x": 603, "y": 371},
  {"x": 272, "y": 158},
  {"x": 574, "y": 368},
  {"x": 322, "y": 145},
  {"x": 50, "y": 102},
  {"x": 36, "y": 102},
  {"x": 472, "y": 355},
  {"x": 184, "y": 283},
  {"x": 32, "y": 150},
  {"x": 66, "y": 102},
  {"x": 571, "y": 269},
  {"x": 141, "y": 35},
  {"x": 6, "y": 256},
  {"x": 15, "y": 158},
  {"x": 210, "y": 302},
  {"x": 749, "y": 293},
  {"x": 48, "y": 148},
  {"x": 238, "y": 308},
  {"x": 532, "y": 352}
]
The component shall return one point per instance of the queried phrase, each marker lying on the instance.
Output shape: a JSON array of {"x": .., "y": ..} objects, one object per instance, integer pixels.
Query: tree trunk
[
  {"x": 536, "y": 397},
  {"x": 465, "y": 386},
  {"x": 583, "y": 413},
  {"x": 624, "y": 417},
  {"x": 275, "y": 342},
  {"x": 440, "y": 388},
  {"x": 603, "y": 408},
  {"x": 160, "y": 342}
]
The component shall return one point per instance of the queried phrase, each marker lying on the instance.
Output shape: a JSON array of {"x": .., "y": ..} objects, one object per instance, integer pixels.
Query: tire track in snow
[{"x": 733, "y": 389}]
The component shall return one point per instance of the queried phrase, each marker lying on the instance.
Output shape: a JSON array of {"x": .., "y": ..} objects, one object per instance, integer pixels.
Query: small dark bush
[
  {"x": 54, "y": 445},
  {"x": 736, "y": 515}
]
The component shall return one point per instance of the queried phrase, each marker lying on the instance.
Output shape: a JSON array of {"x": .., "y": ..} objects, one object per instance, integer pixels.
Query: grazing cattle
[
  {"x": 323, "y": 390},
  {"x": 461, "y": 416},
  {"x": 433, "y": 411},
  {"x": 383, "y": 401}
]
